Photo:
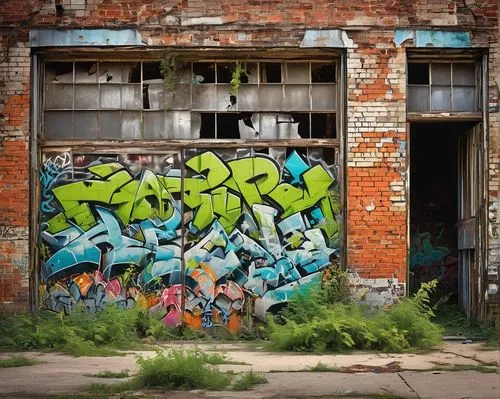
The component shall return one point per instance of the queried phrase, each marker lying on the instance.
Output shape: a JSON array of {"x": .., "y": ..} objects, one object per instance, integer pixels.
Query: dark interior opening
[
  {"x": 418, "y": 73},
  {"x": 434, "y": 206}
]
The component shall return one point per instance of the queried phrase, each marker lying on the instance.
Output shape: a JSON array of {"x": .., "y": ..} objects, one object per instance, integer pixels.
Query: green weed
[
  {"x": 311, "y": 323},
  {"x": 175, "y": 369},
  {"x": 18, "y": 361},
  {"x": 79, "y": 333},
  {"x": 248, "y": 380}
]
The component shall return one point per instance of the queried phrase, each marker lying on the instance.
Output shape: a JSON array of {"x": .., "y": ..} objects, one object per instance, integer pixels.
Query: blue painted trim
[
  {"x": 433, "y": 38},
  {"x": 84, "y": 37}
]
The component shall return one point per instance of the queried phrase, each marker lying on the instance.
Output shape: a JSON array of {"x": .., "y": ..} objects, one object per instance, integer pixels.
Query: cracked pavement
[{"x": 411, "y": 375}]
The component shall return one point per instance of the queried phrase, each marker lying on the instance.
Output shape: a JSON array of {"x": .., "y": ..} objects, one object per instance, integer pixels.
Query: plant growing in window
[{"x": 168, "y": 69}]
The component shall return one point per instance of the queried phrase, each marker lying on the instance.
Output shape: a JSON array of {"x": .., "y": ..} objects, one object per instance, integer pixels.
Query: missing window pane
[
  {"x": 225, "y": 72},
  {"x": 151, "y": 70},
  {"x": 207, "y": 130},
  {"x": 322, "y": 72},
  {"x": 227, "y": 126},
  {"x": 418, "y": 73},
  {"x": 204, "y": 72},
  {"x": 270, "y": 72},
  {"x": 323, "y": 126}
]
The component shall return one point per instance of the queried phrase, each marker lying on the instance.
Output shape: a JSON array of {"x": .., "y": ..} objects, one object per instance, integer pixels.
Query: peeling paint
[
  {"x": 433, "y": 38},
  {"x": 326, "y": 38},
  {"x": 84, "y": 37}
]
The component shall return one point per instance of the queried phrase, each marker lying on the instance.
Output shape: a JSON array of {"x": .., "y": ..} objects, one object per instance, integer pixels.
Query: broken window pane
[
  {"x": 59, "y": 96},
  {"x": 248, "y": 125},
  {"x": 86, "y": 96},
  {"x": 85, "y": 124},
  {"x": 464, "y": 74},
  {"x": 271, "y": 97},
  {"x": 296, "y": 98},
  {"x": 323, "y": 126},
  {"x": 303, "y": 121},
  {"x": 204, "y": 72},
  {"x": 270, "y": 72},
  {"x": 110, "y": 97},
  {"x": 297, "y": 72},
  {"x": 85, "y": 72},
  {"x": 204, "y": 97},
  {"x": 225, "y": 101},
  {"x": 60, "y": 72},
  {"x": 248, "y": 98},
  {"x": 441, "y": 74},
  {"x": 322, "y": 72},
  {"x": 418, "y": 98},
  {"x": 131, "y": 97},
  {"x": 418, "y": 73},
  {"x": 225, "y": 72},
  {"x": 154, "y": 94},
  {"x": 323, "y": 97},
  {"x": 441, "y": 98},
  {"x": 131, "y": 125},
  {"x": 268, "y": 126},
  {"x": 109, "y": 124},
  {"x": 115, "y": 72},
  {"x": 464, "y": 98},
  {"x": 58, "y": 124},
  {"x": 154, "y": 125}
]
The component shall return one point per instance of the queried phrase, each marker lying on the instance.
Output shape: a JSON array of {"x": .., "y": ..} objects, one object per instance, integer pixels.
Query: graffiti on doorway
[{"x": 256, "y": 227}]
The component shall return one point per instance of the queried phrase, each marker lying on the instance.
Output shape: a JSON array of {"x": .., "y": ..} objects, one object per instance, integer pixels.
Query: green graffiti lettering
[
  {"x": 254, "y": 177},
  {"x": 227, "y": 206},
  {"x": 294, "y": 199}
]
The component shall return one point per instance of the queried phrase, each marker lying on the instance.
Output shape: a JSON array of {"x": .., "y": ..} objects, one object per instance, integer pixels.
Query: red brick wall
[
  {"x": 376, "y": 132},
  {"x": 14, "y": 172}
]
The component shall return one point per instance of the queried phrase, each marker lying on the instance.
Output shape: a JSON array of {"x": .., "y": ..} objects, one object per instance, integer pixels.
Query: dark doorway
[{"x": 434, "y": 206}]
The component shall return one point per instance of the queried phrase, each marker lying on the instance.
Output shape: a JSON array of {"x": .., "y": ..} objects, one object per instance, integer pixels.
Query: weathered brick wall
[
  {"x": 376, "y": 139},
  {"x": 376, "y": 160},
  {"x": 14, "y": 175}
]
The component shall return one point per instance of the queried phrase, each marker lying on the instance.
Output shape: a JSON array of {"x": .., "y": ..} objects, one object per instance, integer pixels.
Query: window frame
[{"x": 446, "y": 60}]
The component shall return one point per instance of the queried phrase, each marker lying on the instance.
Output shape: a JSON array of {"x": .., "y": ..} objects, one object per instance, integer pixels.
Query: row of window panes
[
  {"x": 443, "y": 74},
  {"x": 442, "y": 98},
  {"x": 200, "y": 97},
  {"x": 191, "y": 72},
  {"x": 187, "y": 125}
]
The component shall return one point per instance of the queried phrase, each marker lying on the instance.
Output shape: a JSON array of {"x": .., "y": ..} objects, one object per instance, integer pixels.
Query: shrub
[
  {"x": 176, "y": 369},
  {"x": 313, "y": 324}
]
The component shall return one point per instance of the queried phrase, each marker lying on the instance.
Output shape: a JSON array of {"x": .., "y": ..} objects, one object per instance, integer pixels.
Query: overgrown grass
[
  {"x": 171, "y": 369},
  {"x": 83, "y": 334},
  {"x": 18, "y": 361},
  {"x": 79, "y": 333},
  {"x": 110, "y": 374},
  {"x": 248, "y": 380},
  {"x": 311, "y": 323}
]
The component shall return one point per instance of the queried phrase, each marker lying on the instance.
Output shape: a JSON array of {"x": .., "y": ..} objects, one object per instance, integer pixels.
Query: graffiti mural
[{"x": 228, "y": 233}]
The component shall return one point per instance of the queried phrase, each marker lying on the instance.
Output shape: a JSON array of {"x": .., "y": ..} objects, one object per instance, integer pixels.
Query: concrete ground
[{"x": 357, "y": 374}]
